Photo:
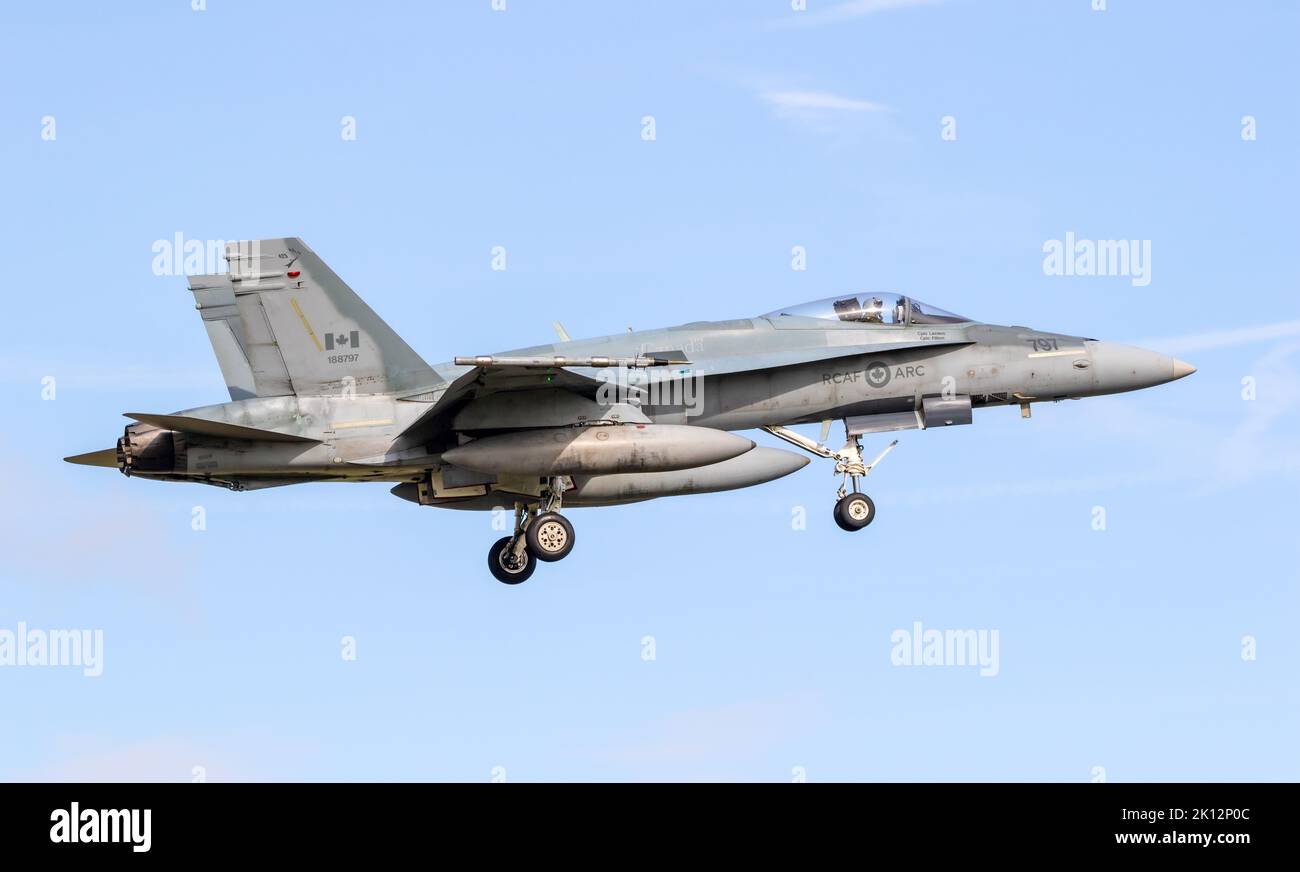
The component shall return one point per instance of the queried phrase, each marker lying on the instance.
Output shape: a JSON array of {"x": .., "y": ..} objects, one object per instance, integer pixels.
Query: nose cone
[{"x": 1127, "y": 368}]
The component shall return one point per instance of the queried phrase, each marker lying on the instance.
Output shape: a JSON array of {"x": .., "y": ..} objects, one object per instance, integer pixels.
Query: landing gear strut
[
  {"x": 853, "y": 509},
  {"x": 541, "y": 534}
]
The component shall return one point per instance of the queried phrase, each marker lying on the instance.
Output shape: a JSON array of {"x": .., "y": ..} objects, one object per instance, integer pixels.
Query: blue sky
[{"x": 1120, "y": 649}]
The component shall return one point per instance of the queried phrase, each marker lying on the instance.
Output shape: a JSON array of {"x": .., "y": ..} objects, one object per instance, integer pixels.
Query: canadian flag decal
[{"x": 343, "y": 340}]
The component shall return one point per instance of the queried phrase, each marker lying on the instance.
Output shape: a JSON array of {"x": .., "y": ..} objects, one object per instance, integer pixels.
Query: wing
[{"x": 477, "y": 382}]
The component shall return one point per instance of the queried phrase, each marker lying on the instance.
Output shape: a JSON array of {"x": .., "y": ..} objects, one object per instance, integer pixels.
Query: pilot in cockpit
[{"x": 873, "y": 310}]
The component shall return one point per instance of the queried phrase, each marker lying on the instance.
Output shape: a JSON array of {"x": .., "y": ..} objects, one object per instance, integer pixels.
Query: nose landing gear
[
  {"x": 853, "y": 510},
  {"x": 541, "y": 534}
]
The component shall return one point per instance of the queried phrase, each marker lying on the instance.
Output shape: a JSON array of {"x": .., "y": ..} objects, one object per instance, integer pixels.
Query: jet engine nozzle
[{"x": 145, "y": 448}]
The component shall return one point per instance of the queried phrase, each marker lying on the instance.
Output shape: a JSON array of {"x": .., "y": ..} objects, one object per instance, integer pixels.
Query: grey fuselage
[
  {"x": 743, "y": 374},
  {"x": 323, "y": 390},
  {"x": 761, "y": 380}
]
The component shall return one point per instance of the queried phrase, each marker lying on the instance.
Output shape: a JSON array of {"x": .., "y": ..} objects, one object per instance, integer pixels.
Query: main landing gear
[
  {"x": 853, "y": 509},
  {"x": 541, "y": 534}
]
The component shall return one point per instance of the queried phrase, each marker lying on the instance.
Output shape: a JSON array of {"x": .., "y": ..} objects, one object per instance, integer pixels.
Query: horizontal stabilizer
[
  {"x": 107, "y": 457},
  {"x": 220, "y": 429}
]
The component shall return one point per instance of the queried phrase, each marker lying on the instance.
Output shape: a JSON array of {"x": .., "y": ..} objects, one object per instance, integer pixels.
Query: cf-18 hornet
[{"x": 321, "y": 389}]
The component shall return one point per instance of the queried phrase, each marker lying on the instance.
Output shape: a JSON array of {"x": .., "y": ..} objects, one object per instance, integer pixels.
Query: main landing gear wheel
[
  {"x": 854, "y": 512},
  {"x": 541, "y": 534},
  {"x": 549, "y": 537},
  {"x": 505, "y": 566}
]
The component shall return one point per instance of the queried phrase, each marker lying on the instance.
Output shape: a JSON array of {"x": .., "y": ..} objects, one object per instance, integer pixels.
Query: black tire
[
  {"x": 854, "y": 512},
  {"x": 549, "y": 537},
  {"x": 496, "y": 558}
]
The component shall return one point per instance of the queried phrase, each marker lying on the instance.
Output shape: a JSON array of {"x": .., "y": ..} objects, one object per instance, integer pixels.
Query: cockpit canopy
[{"x": 870, "y": 308}]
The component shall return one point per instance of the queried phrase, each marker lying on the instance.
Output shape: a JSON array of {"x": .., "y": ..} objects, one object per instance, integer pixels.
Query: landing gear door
[{"x": 886, "y": 422}]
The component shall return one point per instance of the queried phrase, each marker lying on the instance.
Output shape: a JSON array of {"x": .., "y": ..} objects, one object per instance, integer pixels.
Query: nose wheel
[{"x": 853, "y": 510}]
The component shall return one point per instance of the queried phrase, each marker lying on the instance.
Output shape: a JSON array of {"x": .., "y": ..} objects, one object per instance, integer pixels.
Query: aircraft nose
[{"x": 1128, "y": 368}]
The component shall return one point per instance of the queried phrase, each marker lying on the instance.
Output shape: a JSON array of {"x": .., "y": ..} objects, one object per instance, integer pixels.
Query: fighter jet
[{"x": 321, "y": 389}]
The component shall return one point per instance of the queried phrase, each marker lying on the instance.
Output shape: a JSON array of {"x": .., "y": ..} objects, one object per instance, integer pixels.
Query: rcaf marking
[{"x": 877, "y": 374}]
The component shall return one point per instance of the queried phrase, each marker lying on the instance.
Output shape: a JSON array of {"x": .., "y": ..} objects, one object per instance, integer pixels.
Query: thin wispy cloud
[
  {"x": 847, "y": 11},
  {"x": 238, "y": 755},
  {"x": 819, "y": 101},
  {"x": 1183, "y": 450},
  {"x": 1213, "y": 339},
  {"x": 1252, "y": 450},
  {"x": 822, "y": 113}
]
